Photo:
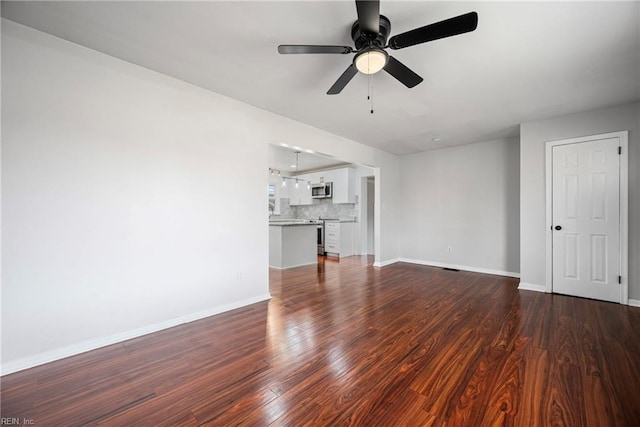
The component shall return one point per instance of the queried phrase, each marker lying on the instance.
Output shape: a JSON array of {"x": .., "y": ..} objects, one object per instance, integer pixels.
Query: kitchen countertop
[
  {"x": 293, "y": 222},
  {"x": 296, "y": 221}
]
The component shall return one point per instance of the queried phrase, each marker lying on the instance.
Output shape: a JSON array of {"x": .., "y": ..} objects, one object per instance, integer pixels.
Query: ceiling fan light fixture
[{"x": 371, "y": 61}]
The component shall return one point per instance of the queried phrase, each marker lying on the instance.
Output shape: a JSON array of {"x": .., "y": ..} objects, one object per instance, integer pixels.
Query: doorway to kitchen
[{"x": 337, "y": 197}]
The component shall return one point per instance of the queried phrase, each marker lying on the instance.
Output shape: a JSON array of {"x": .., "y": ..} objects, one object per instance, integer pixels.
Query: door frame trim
[{"x": 623, "y": 139}]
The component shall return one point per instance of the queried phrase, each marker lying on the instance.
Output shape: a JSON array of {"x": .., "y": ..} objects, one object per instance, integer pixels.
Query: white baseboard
[
  {"x": 82, "y": 347},
  {"x": 293, "y": 266},
  {"x": 524, "y": 286},
  {"x": 460, "y": 267},
  {"x": 634, "y": 302},
  {"x": 385, "y": 263}
]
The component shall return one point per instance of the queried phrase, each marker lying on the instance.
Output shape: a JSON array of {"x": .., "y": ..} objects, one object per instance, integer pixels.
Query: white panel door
[{"x": 586, "y": 219}]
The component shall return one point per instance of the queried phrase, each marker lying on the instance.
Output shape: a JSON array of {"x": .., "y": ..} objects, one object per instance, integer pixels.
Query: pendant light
[{"x": 295, "y": 178}]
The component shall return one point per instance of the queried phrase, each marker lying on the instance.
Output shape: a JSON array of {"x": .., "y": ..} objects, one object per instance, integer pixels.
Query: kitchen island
[{"x": 293, "y": 243}]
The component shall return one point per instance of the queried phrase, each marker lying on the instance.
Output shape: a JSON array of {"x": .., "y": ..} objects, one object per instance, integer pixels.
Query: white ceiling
[
  {"x": 283, "y": 158},
  {"x": 526, "y": 61}
]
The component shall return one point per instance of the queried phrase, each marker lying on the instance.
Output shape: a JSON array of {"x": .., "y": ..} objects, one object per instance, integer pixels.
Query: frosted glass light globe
[{"x": 371, "y": 61}]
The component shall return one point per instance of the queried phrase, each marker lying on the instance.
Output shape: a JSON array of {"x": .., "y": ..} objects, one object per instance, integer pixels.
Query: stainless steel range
[{"x": 321, "y": 237}]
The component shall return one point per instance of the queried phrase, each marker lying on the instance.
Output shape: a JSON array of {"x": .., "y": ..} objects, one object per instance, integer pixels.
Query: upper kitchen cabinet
[
  {"x": 343, "y": 180},
  {"x": 300, "y": 195},
  {"x": 343, "y": 184}
]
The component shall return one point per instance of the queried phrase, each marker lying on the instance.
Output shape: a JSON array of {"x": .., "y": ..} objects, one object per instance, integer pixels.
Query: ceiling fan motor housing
[{"x": 363, "y": 39}]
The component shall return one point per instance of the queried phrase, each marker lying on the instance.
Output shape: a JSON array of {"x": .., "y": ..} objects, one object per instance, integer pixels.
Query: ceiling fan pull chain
[{"x": 371, "y": 91}]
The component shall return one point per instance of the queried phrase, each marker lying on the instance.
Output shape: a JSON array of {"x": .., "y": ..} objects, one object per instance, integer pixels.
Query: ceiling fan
[{"x": 369, "y": 34}]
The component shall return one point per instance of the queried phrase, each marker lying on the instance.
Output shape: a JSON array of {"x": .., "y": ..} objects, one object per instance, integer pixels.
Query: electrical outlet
[{"x": 240, "y": 276}]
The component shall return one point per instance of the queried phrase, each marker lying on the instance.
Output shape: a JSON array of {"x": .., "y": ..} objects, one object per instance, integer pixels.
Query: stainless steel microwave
[{"x": 323, "y": 190}]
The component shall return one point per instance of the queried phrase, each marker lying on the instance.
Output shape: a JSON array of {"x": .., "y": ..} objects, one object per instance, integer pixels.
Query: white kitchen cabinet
[
  {"x": 339, "y": 238},
  {"x": 300, "y": 195},
  {"x": 323, "y": 176},
  {"x": 343, "y": 180},
  {"x": 343, "y": 184},
  {"x": 313, "y": 177}
]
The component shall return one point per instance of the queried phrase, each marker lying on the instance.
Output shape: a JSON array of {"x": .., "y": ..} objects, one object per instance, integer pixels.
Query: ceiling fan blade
[
  {"x": 447, "y": 28},
  {"x": 343, "y": 80},
  {"x": 369, "y": 15},
  {"x": 401, "y": 72},
  {"x": 303, "y": 48}
]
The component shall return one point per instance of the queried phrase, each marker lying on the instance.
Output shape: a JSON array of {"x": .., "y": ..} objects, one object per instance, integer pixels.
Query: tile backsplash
[
  {"x": 321, "y": 208},
  {"x": 286, "y": 211}
]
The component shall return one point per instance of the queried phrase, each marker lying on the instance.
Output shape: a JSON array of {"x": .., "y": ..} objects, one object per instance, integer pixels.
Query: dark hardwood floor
[{"x": 343, "y": 343}]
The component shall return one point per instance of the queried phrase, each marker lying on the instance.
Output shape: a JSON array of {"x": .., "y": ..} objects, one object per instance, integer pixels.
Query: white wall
[
  {"x": 465, "y": 198},
  {"x": 366, "y": 238},
  {"x": 371, "y": 188},
  {"x": 533, "y": 136},
  {"x": 132, "y": 201},
  {"x": 363, "y": 227}
]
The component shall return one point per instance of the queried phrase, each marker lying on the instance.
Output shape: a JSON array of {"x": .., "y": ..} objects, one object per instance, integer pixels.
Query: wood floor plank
[
  {"x": 504, "y": 397},
  {"x": 345, "y": 343},
  {"x": 622, "y": 381},
  {"x": 405, "y": 410},
  {"x": 470, "y": 407},
  {"x": 535, "y": 386}
]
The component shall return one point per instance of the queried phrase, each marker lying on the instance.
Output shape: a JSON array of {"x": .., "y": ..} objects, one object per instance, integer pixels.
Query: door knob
[{"x": 557, "y": 227}]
